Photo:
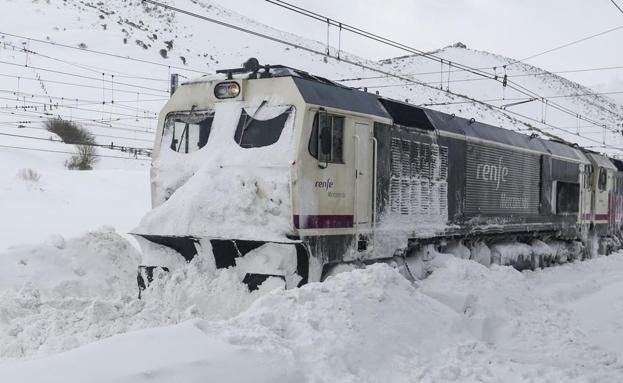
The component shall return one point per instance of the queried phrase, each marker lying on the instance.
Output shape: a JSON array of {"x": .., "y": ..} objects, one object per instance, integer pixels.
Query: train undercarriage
[{"x": 300, "y": 264}]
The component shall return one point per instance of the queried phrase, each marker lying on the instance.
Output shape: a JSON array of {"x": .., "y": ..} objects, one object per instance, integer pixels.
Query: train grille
[{"x": 418, "y": 188}]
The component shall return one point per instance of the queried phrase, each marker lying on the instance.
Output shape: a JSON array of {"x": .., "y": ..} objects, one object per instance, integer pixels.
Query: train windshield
[
  {"x": 186, "y": 132},
  {"x": 261, "y": 127}
]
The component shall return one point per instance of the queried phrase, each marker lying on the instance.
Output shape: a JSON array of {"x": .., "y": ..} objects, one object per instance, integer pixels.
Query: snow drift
[{"x": 465, "y": 322}]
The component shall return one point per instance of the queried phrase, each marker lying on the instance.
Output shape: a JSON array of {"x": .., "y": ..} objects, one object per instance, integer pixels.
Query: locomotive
[{"x": 280, "y": 173}]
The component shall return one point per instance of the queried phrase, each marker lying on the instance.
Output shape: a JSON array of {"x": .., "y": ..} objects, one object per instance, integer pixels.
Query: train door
[
  {"x": 335, "y": 194},
  {"x": 587, "y": 199},
  {"x": 601, "y": 195},
  {"x": 363, "y": 153}
]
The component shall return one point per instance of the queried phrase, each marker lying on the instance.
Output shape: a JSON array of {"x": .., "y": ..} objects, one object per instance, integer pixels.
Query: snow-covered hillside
[
  {"x": 567, "y": 109},
  {"x": 118, "y": 99}
]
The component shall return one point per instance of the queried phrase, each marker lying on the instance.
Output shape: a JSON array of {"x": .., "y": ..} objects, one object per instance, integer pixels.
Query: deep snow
[
  {"x": 69, "y": 310},
  {"x": 465, "y": 322}
]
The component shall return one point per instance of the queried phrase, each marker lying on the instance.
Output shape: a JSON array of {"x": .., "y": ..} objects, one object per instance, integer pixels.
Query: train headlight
[{"x": 227, "y": 90}]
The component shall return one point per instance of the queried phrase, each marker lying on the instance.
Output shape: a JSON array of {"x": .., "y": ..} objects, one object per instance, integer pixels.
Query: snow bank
[
  {"x": 350, "y": 328},
  {"x": 66, "y": 293},
  {"x": 465, "y": 323},
  {"x": 41, "y": 198}
]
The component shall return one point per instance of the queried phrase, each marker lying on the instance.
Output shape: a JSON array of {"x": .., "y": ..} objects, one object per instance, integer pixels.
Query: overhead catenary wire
[
  {"x": 34, "y": 104},
  {"x": 505, "y": 82},
  {"x": 103, "y": 53},
  {"x": 26, "y": 125},
  {"x": 112, "y": 146},
  {"x": 617, "y": 5},
  {"x": 72, "y": 84},
  {"x": 262, "y": 35},
  {"x": 26, "y": 97},
  {"x": 495, "y": 99},
  {"x": 57, "y": 106},
  {"x": 314, "y": 51},
  {"x": 65, "y": 152},
  {"x": 567, "y": 44},
  {"x": 470, "y": 79},
  {"x": 80, "y": 76},
  {"x": 83, "y": 121},
  {"x": 541, "y": 73},
  {"x": 85, "y": 67}
]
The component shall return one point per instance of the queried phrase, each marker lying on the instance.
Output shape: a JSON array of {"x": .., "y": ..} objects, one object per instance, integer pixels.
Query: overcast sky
[{"x": 514, "y": 28}]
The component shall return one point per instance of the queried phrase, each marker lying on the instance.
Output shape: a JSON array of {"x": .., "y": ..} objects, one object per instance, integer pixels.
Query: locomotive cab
[
  {"x": 250, "y": 164},
  {"x": 225, "y": 151}
]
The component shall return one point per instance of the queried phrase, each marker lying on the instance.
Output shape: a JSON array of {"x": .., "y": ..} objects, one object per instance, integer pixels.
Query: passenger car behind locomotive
[{"x": 332, "y": 175}]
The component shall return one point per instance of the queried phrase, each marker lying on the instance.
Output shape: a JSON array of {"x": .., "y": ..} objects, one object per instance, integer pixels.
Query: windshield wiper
[
  {"x": 184, "y": 132},
  {"x": 248, "y": 122}
]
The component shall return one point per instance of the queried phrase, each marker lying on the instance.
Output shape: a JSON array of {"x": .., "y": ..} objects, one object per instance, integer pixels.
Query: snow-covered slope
[
  {"x": 178, "y": 43},
  {"x": 564, "y": 109}
]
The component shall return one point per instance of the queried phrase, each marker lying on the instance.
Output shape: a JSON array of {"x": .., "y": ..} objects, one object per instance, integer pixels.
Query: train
[{"x": 289, "y": 175}]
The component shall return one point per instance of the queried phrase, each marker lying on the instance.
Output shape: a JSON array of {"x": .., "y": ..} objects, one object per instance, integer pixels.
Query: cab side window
[
  {"x": 588, "y": 176},
  {"x": 603, "y": 179},
  {"x": 326, "y": 142}
]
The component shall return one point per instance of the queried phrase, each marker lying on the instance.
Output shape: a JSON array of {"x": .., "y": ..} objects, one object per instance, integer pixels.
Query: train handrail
[
  {"x": 356, "y": 199},
  {"x": 375, "y": 166}
]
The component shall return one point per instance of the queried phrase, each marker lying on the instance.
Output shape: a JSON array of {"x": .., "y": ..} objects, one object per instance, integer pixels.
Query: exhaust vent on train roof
[
  {"x": 407, "y": 115},
  {"x": 253, "y": 70}
]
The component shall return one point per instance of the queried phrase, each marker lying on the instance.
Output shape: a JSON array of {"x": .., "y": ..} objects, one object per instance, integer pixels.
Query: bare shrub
[
  {"x": 29, "y": 175},
  {"x": 72, "y": 133}
]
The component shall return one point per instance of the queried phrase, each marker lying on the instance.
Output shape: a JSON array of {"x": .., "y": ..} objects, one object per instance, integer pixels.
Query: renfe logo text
[
  {"x": 328, "y": 184},
  {"x": 496, "y": 173}
]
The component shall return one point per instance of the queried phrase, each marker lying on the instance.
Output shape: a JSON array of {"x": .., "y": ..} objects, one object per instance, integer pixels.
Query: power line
[
  {"x": 604, "y": 145},
  {"x": 498, "y": 99},
  {"x": 516, "y": 98},
  {"x": 84, "y": 121},
  {"x": 372, "y": 36},
  {"x": 74, "y": 84},
  {"x": 314, "y": 51},
  {"x": 89, "y": 68},
  {"x": 79, "y": 101},
  {"x": 616, "y": 5},
  {"x": 22, "y": 125},
  {"x": 542, "y": 73},
  {"x": 112, "y": 147},
  {"x": 103, "y": 53},
  {"x": 62, "y": 106},
  {"x": 568, "y": 44},
  {"x": 82, "y": 76},
  {"x": 63, "y": 152},
  {"x": 361, "y": 32},
  {"x": 57, "y": 106}
]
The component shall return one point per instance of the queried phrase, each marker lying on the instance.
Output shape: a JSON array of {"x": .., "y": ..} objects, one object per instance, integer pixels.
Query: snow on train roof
[
  {"x": 475, "y": 129},
  {"x": 602, "y": 161},
  {"x": 319, "y": 91},
  {"x": 340, "y": 97}
]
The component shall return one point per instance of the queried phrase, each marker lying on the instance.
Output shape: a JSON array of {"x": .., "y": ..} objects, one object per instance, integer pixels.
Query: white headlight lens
[{"x": 227, "y": 90}]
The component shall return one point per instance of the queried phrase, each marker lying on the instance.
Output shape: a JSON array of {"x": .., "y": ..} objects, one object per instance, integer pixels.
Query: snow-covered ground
[
  {"x": 68, "y": 299},
  {"x": 70, "y": 309},
  {"x": 40, "y": 198}
]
